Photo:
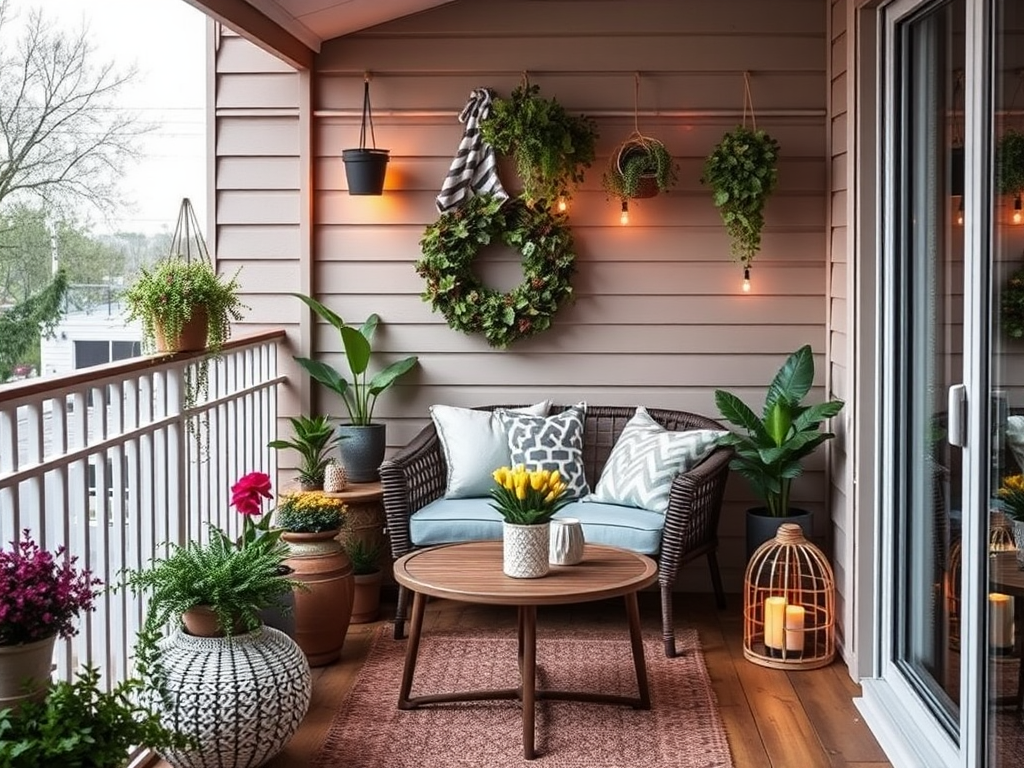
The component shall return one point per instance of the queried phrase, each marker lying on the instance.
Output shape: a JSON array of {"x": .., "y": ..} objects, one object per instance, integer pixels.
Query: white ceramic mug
[{"x": 566, "y": 546}]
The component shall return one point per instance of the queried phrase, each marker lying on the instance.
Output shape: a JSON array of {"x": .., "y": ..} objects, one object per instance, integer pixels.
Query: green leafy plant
[
  {"x": 769, "y": 455},
  {"x": 1010, "y": 163},
  {"x": 81, "y": 724},
  {"x": 309, "y": 512},
  {"x": 364, "y": 556},
  {"x": 639, "y": 161},
  {"x": 742, "y": 174},
  {"x": 551, "y": 149},
  {"x": 1011, "y": 494},
  {"x": 170, "y": 292},
  {"x": 360, "y": 394},
  {"x": 313, "y": 438}
]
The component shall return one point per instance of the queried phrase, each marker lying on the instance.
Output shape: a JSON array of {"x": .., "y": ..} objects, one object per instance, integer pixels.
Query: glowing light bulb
[
  {"x": 562, "y": 205},
  {"x": 624, "y": 216},
  {"x": 960, "y": 213},
  {"x": 746, "y": 279},
  {"x": 1017, "y": 214}
]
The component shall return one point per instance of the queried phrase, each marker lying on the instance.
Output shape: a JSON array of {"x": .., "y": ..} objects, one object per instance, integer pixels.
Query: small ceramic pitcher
[{"x": 566, "y": 547}]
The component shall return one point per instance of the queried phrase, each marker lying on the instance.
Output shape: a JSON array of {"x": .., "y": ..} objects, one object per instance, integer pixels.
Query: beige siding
[{"x": 659, "y": 317}]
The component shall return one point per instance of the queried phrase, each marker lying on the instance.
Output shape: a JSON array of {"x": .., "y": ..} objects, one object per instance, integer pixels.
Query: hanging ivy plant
[
  {"x": 640, "y": 167},
  {"x": 1010, "y": 163},
  {"x": 551, "y": 149},
  {"x": 742, "y": 174},
  {"x": 452, "y": 242}
]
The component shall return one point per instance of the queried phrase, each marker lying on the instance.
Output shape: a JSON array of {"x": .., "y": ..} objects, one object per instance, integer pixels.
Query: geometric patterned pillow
[
  {"x": 553, "y": 442},
  {"x": 646, "y": 458}
]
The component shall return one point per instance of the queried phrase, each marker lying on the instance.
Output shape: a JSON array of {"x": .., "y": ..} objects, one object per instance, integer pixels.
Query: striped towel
[{"x": 473, "y": 171}]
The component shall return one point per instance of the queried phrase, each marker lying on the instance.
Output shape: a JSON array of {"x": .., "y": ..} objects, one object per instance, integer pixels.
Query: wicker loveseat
[{"x": 416, "y": 476}]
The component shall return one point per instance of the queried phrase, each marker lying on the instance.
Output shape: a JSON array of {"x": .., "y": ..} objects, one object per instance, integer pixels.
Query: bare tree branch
[{"x": 64, "y": 140}]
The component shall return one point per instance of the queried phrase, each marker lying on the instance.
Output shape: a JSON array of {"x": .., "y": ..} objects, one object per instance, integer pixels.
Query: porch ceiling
[{"x": 281, "y": 25}]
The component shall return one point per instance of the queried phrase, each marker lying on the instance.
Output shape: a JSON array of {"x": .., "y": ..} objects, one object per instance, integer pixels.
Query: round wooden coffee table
[{"x": 471, "y": 572}]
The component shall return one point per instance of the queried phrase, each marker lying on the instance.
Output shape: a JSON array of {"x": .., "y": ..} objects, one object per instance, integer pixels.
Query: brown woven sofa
[{"x": 416, "y": 476}]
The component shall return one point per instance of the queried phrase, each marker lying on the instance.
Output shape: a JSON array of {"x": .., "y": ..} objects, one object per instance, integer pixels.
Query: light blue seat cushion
[{"x": 448, "y": 520}]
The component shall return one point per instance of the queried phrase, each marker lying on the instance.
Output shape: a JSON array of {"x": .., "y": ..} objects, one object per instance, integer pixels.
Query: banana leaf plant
[
  {"x": 360, "y": 394},
  {"x": 770, "y": 454}
]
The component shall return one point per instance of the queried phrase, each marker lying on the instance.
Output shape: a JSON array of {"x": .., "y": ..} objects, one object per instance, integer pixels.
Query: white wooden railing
[{"x": 109, "y": 463}]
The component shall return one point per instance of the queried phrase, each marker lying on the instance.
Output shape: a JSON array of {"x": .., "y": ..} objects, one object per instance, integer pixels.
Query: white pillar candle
[
  {"x": 1000, "y": 620},
  {"x": 795, "y": 628},
  {"x": 774, "y": 622}
]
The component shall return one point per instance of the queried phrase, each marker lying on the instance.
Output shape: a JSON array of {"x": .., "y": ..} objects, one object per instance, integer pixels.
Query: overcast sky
[{"x": 165, "y": 39}]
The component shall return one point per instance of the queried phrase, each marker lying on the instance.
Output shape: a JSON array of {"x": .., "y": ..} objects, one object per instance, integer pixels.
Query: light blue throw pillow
[
  {"x": 555, "y": 442},
  {"x": 646, "y": 458},
  {"x": 475, "y": 444}
]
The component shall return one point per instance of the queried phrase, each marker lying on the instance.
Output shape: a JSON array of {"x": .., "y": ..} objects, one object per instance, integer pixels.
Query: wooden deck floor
[{"x": 774, "y": 719}]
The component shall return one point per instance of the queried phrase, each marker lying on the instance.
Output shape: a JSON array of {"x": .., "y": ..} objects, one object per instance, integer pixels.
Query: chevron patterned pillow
[
  {"x": 646, "y": 458},
  {"x": 554, "y": 442}
]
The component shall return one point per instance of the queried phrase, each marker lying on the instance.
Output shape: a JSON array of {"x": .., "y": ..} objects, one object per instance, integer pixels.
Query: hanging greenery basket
[
  {"x": 1010, "y": 163},
  {"x": 641, "y": 167}
]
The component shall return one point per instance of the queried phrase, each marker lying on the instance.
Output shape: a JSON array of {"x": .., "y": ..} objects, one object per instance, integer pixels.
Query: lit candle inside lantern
[
  {"x": 1000, "y": 620},
  {"x": 775, "y": 622},
  {"x": 795, "y": 628}
]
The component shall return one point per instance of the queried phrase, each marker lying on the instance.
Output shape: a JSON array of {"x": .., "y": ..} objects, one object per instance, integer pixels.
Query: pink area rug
[{"x": 682, "y": 730}]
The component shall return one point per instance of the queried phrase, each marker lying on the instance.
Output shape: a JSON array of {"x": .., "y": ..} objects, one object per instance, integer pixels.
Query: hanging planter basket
[{"x": 366, "y": 167}]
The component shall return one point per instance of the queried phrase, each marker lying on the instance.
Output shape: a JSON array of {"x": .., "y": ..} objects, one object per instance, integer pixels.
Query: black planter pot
[
  {"x": 365, "y": 170},
  {"x": 362, "y": 451},
  {"x": 762, "y": 527}
]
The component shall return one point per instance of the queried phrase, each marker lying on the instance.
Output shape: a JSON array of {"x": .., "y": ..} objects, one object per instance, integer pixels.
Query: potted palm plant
[
  {"x": 313, "y": 438},
  {"x": 364, "y": 441},
  {"x": 770, "y": 451}
]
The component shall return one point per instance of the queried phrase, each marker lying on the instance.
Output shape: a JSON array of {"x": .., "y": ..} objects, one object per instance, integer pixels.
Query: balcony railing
[{"x": 112, "y": 464}]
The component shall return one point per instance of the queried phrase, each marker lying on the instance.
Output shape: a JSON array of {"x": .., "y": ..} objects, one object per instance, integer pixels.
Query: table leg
[
  {"x": 636, "y": 640},
  {"x": 419, "y": 604},
  {"x": 528, "y": 624}
]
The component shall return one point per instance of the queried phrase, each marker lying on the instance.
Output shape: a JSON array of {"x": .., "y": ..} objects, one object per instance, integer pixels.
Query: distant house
[{"x": 92, "y": 336}]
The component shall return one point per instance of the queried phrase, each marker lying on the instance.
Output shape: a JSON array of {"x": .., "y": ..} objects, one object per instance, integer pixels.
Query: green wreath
[
  {"x": 1012, "y": 305},
  {"x": 451, "y": 243}
]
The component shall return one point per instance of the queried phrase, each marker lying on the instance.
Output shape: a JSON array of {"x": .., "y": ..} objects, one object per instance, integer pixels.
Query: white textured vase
[
  {"x": 566, "y": 542},
  {"x": 25, "y": 671},
  {"x": 241, "y": 698},
  {"x": 525, "y": 550}
]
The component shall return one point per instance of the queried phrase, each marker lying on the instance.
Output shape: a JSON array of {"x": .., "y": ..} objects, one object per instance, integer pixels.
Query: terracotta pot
[
  {"x": 201, "y": 621},
  {"x": 366, "y": 603},
  {"x": 324, "y": 610},
  {"x": 25, "y": 671},
  {"x": 192, "y": 337}
]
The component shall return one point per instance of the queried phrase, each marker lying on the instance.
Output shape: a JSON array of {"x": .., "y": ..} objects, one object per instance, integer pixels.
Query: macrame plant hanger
[
  {"x": 636, "y": 140},
  {"x": 187, "y": 243},
  {"x": 748, "y": 104}
]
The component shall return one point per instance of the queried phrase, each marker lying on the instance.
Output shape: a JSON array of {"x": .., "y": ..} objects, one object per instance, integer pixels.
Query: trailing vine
[
  {"x": 451, "y": 243},
  {"x": 1010, "y": 163},
  {"x": 551, "y": 148},
  {"x": 741, "y": 172}
]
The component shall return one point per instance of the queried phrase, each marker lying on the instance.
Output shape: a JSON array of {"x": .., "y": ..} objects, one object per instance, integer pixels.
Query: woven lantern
[{"x": 789, "y": 604}]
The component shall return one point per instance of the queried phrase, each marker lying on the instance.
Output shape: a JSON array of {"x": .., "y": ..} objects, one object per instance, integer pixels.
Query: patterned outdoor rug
[{"x": 682, "y": 729}]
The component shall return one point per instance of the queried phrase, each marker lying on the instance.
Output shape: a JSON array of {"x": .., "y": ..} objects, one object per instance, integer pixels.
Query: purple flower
[{"x": 41, "y": 593}]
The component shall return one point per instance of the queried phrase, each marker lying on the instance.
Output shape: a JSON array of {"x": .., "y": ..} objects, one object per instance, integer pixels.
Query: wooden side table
[{"x": 365, "y": 502}]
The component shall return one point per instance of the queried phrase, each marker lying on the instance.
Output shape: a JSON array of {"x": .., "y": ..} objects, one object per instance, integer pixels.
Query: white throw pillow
[
  {"x": 646, "y": 458},
  {"x": 555, "y": 442},
  {"x": 475, "y": 444}
]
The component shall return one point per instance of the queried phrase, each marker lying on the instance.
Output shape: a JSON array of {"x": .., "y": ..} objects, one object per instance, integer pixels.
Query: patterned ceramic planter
[
  {"x": 525, "y": 550},
  {"x": 1018, "y": 539},
  {"x": 241, "y": 698},
  {"x": 566, "y": 547}
]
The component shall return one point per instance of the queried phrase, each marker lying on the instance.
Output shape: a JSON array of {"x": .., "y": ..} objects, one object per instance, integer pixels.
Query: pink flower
[{"x": 248, "y": 493}]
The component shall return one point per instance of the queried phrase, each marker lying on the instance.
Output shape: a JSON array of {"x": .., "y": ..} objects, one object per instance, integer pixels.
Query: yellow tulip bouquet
[
  {"x": 1011, "y": 492},
  {"x": 528, "y": 497}
]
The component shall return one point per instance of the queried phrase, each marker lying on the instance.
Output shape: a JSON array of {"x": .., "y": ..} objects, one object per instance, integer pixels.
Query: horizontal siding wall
[{"x": 659, "y": 318}]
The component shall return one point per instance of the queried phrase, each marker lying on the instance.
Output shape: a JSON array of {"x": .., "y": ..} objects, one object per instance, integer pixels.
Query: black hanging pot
[{"x": 365, "y": 168}]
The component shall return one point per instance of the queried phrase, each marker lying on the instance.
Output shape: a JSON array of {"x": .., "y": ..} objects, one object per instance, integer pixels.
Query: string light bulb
[
  {"x": 624, "y": 216},
  {"x": 960, "y": 213},
  {"x": 562, "y": 205},
  {"x": 746, "y": 279},
  {"x": 1018, "y": 216}
]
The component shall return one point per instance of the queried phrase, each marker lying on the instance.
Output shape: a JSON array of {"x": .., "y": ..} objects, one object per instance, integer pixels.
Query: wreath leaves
[{"x": 451, "y": 243}]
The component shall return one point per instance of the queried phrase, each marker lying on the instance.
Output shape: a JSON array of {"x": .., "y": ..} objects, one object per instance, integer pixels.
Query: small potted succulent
[{"x": 313, "y": 437}]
